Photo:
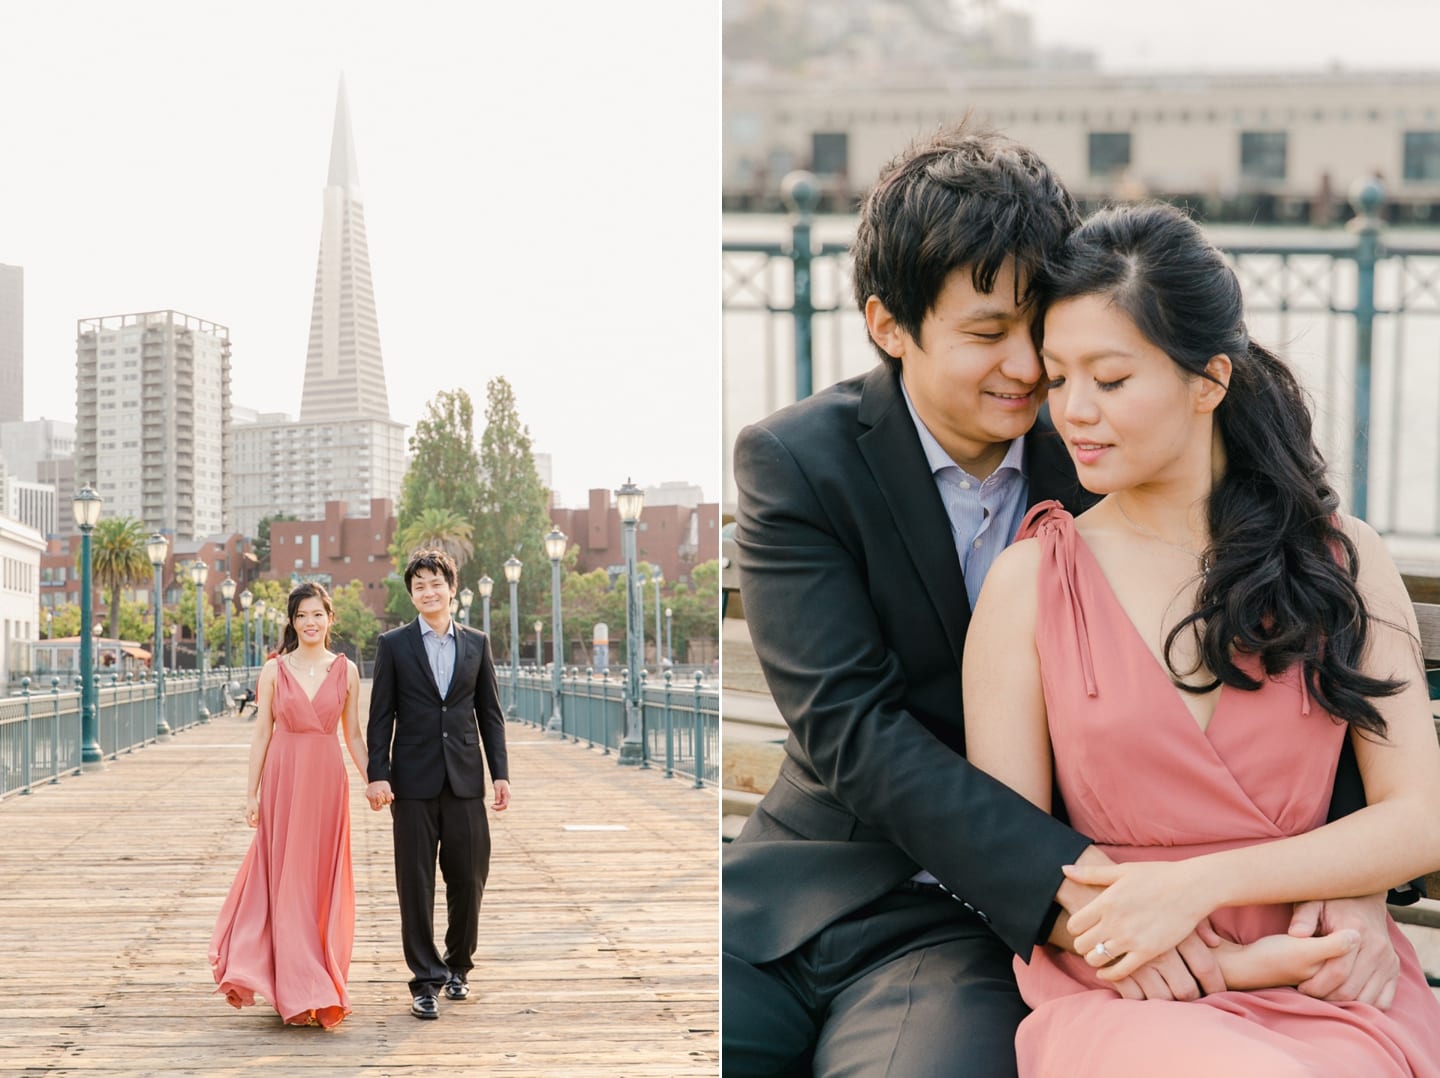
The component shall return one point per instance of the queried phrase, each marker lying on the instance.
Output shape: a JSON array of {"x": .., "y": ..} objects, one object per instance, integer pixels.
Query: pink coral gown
[
  {"x": 287, "y": 927},
  {"x": 1139, "y": 775}
]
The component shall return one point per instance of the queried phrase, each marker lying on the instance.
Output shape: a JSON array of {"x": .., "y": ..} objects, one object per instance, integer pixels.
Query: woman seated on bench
[{"x": 1190, "y": 653}]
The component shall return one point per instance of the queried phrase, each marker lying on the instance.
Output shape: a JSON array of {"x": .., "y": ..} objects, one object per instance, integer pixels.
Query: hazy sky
[
  {"x": 1255, "y": 35},
  {"x": 540, "y": 185}
]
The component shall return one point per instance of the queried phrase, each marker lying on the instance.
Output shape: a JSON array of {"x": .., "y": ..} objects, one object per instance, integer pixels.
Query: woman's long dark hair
[
  {"x": 1281, "y": 583},
  {"x": 301, "y": 592}
]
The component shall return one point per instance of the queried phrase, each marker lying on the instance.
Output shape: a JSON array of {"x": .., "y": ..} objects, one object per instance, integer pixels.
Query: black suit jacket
[
  {"x": 857, "y": 607},
  {"x": 419, "y": 739}
]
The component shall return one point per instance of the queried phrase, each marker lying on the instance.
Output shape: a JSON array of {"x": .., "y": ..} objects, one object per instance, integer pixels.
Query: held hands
[
  {"x": 1146, "y": 909},
  {"x": 1370, "y": 971},
  {"x": 379, "y": 794},
  {"x": 502, "y": 795}
]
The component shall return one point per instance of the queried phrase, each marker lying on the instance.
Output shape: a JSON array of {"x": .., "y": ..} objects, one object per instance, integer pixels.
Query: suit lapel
[
  {"x": 461, "y": 650},
  {"x": 417, "y": 646},
  {"x": 891, "y": 449}
]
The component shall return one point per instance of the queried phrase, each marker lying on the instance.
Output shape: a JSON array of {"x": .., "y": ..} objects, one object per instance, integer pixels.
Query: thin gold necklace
[
  {"x": 1202, "y": 557},
  {"x": 298, "y": 670}
]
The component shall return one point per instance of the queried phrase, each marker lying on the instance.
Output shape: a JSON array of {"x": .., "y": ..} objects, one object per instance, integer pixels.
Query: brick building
[
  {"x": 337, "y": 550},
  {"x": 674, "y": 537}
]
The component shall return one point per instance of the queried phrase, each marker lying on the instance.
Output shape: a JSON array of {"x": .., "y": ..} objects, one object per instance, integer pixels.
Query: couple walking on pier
[{"x": 286, "y": 929}]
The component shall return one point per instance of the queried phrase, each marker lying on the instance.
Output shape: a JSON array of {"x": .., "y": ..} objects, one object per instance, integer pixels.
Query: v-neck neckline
[
  {"x": 1155, "y": 661},
  {"x": 323, "y": 681}
]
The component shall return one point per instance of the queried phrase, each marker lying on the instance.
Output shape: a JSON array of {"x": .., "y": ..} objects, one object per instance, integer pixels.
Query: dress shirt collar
[
  {"x": 425, "y": 630},
  {"x": 939, "y": 460}
]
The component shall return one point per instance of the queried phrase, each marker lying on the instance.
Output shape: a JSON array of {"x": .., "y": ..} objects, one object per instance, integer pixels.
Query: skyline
[{"x": 524, "y": 226}]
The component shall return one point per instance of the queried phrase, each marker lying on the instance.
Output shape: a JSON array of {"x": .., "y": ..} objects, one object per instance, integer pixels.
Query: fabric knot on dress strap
[{"x": 1052, "y": 524}]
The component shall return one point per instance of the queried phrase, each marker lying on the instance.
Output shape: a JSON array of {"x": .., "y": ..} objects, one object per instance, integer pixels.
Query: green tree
[
  {"x": 118, "y": 559},
  {"x": 444, "y": 471},
  {"x": 66, "y": 621},
  {"x": 513, "y": 508},
  {"x": 262, "y": 539},
  {"x": 355, "y": 623},
  {"x": 435, "y": 528}
]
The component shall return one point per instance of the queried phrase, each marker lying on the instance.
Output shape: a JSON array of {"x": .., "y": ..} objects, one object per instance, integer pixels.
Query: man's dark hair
[
  {"x": 966, "y": 196},
  {"x": 437, "y": 561}
]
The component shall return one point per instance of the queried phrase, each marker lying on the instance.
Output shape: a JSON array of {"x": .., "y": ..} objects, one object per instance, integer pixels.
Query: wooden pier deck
[{"x": 598, "y": 946}]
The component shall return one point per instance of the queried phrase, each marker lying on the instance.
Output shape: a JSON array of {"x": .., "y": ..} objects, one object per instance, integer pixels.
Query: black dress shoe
[
  {"x": 456, "y": 988},
  {"x": 425, "y": 1006}
]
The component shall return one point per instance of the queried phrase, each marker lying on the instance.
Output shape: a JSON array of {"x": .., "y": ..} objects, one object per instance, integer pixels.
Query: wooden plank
[
  {"x": 1428, "y": 615},
  {"x": 598, "y": 949}
]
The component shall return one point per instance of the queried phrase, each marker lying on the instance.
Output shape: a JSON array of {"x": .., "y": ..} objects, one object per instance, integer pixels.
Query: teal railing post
[
  {"x": 669, "y": 732},
  {"x": 605, "y": 710},
  {"x": 589, "y": 707},
  {"x": 699, "y": 736},
  {"x": 1366, "y": 226},
  {"x": 55, "y": 731},
  {"x": 644, "y": 730},
  {"x": 802, "y": 196},
  {"x": 29, "y": 735}
]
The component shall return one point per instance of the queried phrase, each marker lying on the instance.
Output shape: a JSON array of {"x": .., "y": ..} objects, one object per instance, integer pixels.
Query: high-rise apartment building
[
  {"x": 152, "y": 413},
  {"x": 12, "y": 343},
  {"x": 345, "y": 447},
  {"x": 27, "y": 445}
]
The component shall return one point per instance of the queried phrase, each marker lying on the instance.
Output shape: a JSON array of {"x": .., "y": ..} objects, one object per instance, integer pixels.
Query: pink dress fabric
[
  {"x": 287, "y": 927},
  {"x": 1139, "y": 776}
]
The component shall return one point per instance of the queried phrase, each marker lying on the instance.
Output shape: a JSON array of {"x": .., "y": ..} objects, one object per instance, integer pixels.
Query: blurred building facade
[
  {"x": 1262, "y": 147},
  {"x": 674, "y": 537},
  {"x": 336, "y": 548}
]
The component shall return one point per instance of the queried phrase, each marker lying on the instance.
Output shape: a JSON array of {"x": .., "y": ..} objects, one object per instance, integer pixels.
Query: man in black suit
[
  {"x": 433, "y": 703},
  {"x": 873, "y": 901}
]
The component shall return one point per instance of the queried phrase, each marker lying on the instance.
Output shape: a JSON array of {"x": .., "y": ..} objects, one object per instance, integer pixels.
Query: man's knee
[
  {"x": 765, "y": 1031},
  {"x": 945, "y": 1010}
]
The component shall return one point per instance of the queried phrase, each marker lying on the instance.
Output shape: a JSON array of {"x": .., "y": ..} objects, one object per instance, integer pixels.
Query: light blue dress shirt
[
  {"x": 440, "y": 650},
  {"x": 984, "y": 513}
]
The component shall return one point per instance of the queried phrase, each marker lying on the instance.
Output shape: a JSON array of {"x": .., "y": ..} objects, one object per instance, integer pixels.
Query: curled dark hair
[
  {"x": 437, "y": 561},
  {"x": 1282, "y": 579},
  {"x": 966, "y": 196},
  {"x": 308, "y": 590}
]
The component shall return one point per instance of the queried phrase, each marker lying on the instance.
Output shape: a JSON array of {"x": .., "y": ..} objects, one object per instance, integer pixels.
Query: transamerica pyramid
[{"x": 344, "y": 373}]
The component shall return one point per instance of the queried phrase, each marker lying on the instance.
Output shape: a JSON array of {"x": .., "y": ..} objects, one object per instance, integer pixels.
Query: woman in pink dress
[
  {"x": 1183, "y": 663},
  {"x": 287, "y": 927}
]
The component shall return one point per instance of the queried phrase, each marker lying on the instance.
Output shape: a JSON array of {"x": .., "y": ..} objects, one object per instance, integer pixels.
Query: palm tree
[
  {"x": 118, "y": 558},
  {"x": 441, "y": 529}
]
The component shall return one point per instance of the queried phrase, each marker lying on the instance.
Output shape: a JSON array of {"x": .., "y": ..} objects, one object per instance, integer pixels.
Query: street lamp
[
  {"x": 486, "y": 587},
  {"x": 158, "y": 547},
  {"x": 629, "y": 501},
  {"x": 513, "y": 566},
  {"x": 49, "y": 625},
  {"x": 260, "y": 632},
  {"x": 199, "y": 571},
  {"x": 466, "y": 598},
  {"x": 539, "y": 645},
  {"x": 227, "y": 592},
  {"x": 247, "y": 600},
  {"x": 86, "y": 507},
  {"x": 669, "y": 639},
  {"x": 555, "y": 550}
]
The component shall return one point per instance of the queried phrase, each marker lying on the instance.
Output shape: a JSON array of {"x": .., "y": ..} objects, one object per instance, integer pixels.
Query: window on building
[
  {"x": 1262, "y": 155},
  {"x": 830, "y": 153},
  {"x": 1422, "y": 157},
  {"x": 1109, "y": 152}
]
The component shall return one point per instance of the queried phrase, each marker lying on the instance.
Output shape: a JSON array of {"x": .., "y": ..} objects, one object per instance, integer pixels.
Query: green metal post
[
  {"x": 801, "y": 195},
  {"x": 1366, "y": 226},
  {"x": 90, "y": 754},
  {"x": 29, "y": 734},
  {"x": 669, "y": 732},
  {"x": 699, "y": 736},
  {"x": 162, "y": 728}
]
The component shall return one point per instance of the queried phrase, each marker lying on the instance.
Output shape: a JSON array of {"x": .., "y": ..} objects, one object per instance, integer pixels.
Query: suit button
[
  {"x": 443, "y": 708},
  {"x": 444, "y": 733}
]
